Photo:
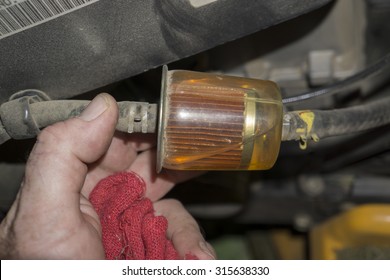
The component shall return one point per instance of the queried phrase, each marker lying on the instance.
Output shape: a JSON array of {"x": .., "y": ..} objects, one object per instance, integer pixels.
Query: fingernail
[
  {"x": 203, "y": 246},
  {"x": 94, "y": 109}
]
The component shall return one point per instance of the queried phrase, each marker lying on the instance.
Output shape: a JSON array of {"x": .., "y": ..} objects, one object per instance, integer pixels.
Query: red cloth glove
[{"x": 130, "y": 230}]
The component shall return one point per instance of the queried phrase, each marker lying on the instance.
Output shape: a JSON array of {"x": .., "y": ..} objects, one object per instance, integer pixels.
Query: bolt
[
  {"x": 311, "y": 185},
  {"x": 302, "y": 222}
]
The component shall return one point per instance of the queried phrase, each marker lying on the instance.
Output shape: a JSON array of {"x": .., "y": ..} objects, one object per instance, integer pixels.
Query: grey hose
[
  {"x": 22, "y": 118},
  {"x": 133, "y": 116},
  {"x": 302, "y": 125}
]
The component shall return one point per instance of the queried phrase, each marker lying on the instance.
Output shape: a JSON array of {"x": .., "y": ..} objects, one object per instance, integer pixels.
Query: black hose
[
  {"x": 354, "y": 150},
  {"x": 319, "y": 124},
  {"x": 344, "y": 85}
]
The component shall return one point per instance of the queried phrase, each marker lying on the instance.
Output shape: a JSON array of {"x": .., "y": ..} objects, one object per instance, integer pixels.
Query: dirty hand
[{"x": 52, "y": 217}]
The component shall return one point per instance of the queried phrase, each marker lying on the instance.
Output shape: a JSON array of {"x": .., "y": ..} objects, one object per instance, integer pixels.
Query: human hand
[{"x": 52, "y": 217}]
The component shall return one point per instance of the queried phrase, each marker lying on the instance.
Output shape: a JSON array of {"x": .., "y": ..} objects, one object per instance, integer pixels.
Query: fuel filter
[{"x": 218, "y": 122}]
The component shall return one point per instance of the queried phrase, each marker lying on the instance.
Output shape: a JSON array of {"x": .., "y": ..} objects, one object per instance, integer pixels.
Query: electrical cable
[{"x": 344, "y": 85}]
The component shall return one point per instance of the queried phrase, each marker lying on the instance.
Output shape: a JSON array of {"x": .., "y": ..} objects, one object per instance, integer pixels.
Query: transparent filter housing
[{"x": 217, "y": 122}]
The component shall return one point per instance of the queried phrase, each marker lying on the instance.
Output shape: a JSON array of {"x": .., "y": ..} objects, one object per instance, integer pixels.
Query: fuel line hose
[
  {"x": 206, "y": 121},
  {"x": 139, "y": 117}
]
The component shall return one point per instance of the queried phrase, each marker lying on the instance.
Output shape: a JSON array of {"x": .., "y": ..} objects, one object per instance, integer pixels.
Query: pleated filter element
[{"x": 217, "y": 122}]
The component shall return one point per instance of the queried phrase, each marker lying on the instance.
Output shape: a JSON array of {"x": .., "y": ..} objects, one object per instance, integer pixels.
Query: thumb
[{"x": 57, "y": 165}]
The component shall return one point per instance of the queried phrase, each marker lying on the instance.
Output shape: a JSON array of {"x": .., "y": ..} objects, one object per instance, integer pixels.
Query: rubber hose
[
  {"x": 16, "y": 121},
  {"x": 317, "y": 124}
]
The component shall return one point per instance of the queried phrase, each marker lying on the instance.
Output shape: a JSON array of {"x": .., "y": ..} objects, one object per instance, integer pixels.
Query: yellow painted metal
[
  {"x": 367, "y": 225},
  {"x": 289, "y": 245}
]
